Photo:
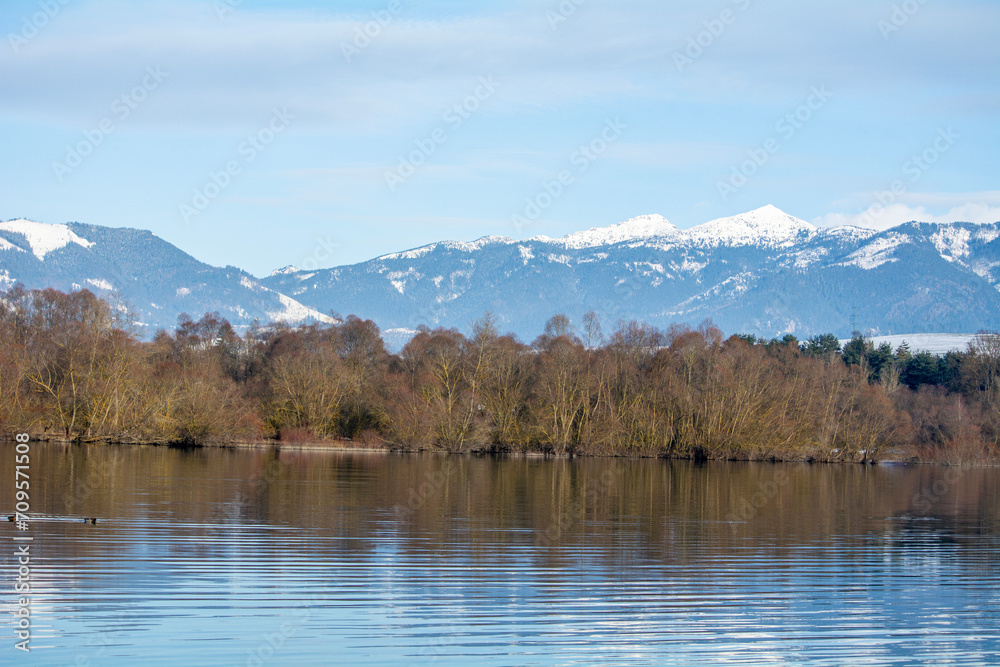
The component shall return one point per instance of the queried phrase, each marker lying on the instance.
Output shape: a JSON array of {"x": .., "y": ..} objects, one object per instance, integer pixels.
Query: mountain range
[
  {"x": 762, "y": 272},
  {"x": 138, "y": 270}
]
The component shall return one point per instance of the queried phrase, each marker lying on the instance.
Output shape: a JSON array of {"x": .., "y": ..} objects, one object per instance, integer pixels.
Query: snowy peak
[
  {"x": 768, "y": 226},
  {"x": 765, "y": 226},
  {"x": 634, "y": 229},
  {"x": 285, "y": 270},
  {"x": 155, "y": 278},
  {"x": 461, "y": 246},
  {"x": 42, "y": 238},
  {"x": 763, "y": 272},
  {"x": 478, "y": 244}
]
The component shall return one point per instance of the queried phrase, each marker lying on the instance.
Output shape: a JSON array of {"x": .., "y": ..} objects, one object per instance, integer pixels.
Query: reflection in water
[{"x": 214, "y": 556}]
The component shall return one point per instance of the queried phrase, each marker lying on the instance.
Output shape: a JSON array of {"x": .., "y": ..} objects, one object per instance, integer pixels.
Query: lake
[{"x": 260, "y": 557}]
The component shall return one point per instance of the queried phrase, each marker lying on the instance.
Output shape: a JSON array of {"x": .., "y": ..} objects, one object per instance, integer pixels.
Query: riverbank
[{"x": 340, "y": 445}]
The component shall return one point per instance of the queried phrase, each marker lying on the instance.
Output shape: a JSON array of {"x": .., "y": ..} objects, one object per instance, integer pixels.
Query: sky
[{"x": 263, "y": 134}]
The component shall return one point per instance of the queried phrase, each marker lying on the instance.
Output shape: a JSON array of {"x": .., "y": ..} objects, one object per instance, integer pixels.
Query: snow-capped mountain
[
  {"x": 642, "y": 228},
  {"x": 762, "y": 272},
  {"x": 153, "y": 277},
  {"x": 767, "y": 226}
]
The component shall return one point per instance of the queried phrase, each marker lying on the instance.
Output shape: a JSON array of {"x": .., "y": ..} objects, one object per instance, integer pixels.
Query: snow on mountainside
[
  {"x": 157, "y": 280},
  {"x": 878, "y": 252},
  {"x": 293, "y": 312},
  {"x": 766, "y": 226},
  {"x": 924, "y": 342},
  {"x": 763, "y": 272},
  {"x": 642, "y": 227},
  {"x": 42, "y": 238}
]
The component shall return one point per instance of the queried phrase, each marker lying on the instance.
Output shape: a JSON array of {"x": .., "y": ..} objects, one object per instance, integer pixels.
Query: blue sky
[{"x": 262, "y": 134}]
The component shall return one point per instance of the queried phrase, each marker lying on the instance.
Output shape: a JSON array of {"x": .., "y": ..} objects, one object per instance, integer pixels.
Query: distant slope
[
  {"x": 925, "y": 342},
  {"x": 762, "y": 272},
  {"x": 158, "y": 280}
]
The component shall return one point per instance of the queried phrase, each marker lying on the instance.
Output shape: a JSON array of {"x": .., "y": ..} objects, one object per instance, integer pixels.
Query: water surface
[{"x": 250, "y": 557}]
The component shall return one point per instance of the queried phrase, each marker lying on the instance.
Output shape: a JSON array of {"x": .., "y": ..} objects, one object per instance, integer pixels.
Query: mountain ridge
[
  {"x": 763, "y": 272},
  {"x": 802, "y": 279},
  {"x": 158, "y": 280}
]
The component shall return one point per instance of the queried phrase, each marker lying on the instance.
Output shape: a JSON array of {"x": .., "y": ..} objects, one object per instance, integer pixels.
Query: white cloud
[
  {"x": 879, "y": 217},
  {"x": 236, "y": 69},
  {"x": 221, "y": 72}
]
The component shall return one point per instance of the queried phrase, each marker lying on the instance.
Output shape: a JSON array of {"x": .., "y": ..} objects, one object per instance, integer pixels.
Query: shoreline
[{"x": 348, "y": 447}]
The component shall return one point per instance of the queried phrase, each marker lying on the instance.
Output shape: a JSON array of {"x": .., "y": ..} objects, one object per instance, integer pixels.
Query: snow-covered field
[{"x": 924, "y": 342}]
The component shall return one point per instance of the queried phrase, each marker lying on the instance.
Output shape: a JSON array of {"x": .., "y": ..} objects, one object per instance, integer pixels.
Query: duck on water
[{"x": 89, "y": 519}]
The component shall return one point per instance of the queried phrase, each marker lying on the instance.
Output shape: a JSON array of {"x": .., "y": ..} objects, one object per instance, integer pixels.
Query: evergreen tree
[
  {"x": 921, "y": 369},
  {"x": 821, "y": 346},
  {"x": 879, "y": 361},
  {"x": 856, "y": 351}
]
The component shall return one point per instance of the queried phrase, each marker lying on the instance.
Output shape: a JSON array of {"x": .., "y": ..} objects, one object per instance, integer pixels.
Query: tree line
[{"x": 71, "y": 366}]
